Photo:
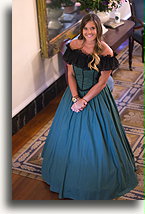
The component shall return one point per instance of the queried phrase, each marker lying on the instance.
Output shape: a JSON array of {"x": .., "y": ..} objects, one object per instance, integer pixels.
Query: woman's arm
[
  {"x": 80, "y": 104},
  {"x": 96, "y": 89},
  {"x": 72, "y": 81},
  {"x": 71, "y": 76}
]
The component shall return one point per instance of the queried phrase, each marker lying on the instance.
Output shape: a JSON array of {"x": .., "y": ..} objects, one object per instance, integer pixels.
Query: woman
[{"x": 87, "y": 155}]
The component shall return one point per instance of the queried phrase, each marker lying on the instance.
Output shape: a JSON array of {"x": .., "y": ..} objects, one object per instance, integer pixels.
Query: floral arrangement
[
  {"x": 115, "y": 4},
  {"x": 100, "y": 5}
]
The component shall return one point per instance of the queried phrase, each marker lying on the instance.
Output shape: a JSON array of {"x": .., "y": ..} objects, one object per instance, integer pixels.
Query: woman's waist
[
  {"x": 85, "y": 88},
  {"x": 85, "y": 85}
]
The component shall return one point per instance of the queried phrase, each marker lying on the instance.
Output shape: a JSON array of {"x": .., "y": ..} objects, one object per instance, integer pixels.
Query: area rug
[{"x": 128, "y": 94}]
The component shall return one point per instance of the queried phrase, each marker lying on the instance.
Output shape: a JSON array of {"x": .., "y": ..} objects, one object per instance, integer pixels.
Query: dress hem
[{"x": 53, "y": 189}]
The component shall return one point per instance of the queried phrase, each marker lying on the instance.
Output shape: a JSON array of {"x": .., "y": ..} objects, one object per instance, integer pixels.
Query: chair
[{"x": 137, "y": 15}]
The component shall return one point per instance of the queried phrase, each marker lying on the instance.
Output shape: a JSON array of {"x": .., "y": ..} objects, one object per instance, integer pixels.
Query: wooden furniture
[{"x": 115, "y": 37}]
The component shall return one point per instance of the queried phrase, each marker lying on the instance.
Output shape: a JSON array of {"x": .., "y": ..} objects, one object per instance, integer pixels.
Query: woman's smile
[
  {"x": 90, "y": 35},
  {"x": 89, "y": 31}
]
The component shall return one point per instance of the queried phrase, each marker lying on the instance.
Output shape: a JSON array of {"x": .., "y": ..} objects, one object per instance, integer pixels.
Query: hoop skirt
[{"x": 87, "y": 155}]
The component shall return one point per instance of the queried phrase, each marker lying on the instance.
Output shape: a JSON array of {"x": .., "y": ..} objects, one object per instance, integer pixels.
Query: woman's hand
[{"x": 79, "y": 105}]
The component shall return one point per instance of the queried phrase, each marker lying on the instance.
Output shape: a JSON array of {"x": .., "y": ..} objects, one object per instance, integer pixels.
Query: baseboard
[
  {"x": 32, "y": 97},
  {"x": 40, "y": 102}
]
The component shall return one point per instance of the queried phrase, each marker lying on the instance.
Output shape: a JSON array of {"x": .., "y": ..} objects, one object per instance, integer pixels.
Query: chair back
[{"x": 137, "y": 9}]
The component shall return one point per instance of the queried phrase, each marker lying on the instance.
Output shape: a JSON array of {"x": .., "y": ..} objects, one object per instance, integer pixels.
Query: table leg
[{"x": 131, "y": 42}]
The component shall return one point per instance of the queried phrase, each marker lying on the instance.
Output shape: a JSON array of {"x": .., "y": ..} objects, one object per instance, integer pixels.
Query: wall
[{"x": 31, "y": 75}]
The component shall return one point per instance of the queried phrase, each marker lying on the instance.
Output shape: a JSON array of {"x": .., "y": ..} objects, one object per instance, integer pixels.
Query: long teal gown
[{"x": 87, "y": 155}]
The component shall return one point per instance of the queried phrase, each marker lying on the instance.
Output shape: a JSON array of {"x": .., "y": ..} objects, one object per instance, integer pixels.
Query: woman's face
[{"x": 90, "y": 31}]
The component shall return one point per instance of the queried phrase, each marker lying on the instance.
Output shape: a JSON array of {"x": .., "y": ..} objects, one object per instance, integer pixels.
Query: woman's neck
[
  {"x": 88, "y": 47},
  {"x": 89, "y": 43}
]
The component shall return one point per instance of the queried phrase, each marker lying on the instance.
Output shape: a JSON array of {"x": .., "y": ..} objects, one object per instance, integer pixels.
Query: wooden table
[{"x": 115, "y": 37}]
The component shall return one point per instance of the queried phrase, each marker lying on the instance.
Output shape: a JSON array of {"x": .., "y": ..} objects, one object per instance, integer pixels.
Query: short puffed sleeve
[{"x": 108, "y": 62}]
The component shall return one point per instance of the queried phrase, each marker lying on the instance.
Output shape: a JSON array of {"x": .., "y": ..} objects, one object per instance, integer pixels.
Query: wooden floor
[{"x": 24, "y": 188}]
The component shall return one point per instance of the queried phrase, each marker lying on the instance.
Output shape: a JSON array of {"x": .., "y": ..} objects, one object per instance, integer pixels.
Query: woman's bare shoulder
[
  {"x": 106, "y": 50},
  {"x": 76, "y": 44}
]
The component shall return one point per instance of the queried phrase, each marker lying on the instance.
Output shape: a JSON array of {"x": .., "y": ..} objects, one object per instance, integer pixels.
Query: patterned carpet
[{"x": 128, "y": 93}]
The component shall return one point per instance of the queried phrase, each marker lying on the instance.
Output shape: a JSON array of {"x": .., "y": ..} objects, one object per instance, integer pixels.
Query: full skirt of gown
[{"x": 87, "y": 155}]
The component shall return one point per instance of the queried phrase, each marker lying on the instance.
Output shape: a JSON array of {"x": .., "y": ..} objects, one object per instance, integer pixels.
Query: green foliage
[
  {"x": 101, "y": 5},
  {"x": 88, "y": 4}
]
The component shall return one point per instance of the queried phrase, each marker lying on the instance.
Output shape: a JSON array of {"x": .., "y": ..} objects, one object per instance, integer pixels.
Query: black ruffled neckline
[
  {"x": 80, "y": 59},
  {"x": 87, "y": 54}
]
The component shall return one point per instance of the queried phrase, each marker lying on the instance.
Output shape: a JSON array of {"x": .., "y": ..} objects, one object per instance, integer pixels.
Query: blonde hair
[{"x": 98, "y": 47}]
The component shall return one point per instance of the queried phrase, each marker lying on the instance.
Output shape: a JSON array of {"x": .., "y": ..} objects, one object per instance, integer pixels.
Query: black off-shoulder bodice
[
  {"x": 78, "y": 58},
  {"x": 86, "y": 77}
]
